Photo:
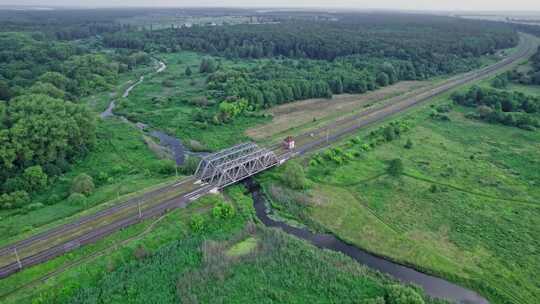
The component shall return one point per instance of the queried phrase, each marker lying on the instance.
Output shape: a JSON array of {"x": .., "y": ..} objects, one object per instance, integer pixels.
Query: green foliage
[
  {"x": 500, "y": 82},
  {"x": 165, "y": 167},
  {"x": 223, "y": 211},
  {"x": 190, "y": 165},
  {"x": 389, "y": 133},
  {"x": 47, "y": 89},
  {"x": 34, "y": 178},
  {"x": 197, "y": 223},
  {"x": 229, "y": 110},
  {"x": 83, "y": 184},
  {"x": 16, "y": 199},
  {"x": 42, "y": 130},
  {"x": 294, "y": 176},
  {"x": 409, "y": 144},
  {"x": 395, "y": 167},
  {"x": 442, "y": 41},
  {"x": 188, "y": 71},
  {"x": 398, "y": 294},
  {"x": 508, "y": 108},
  {"x": 208, "y": 65},
  {"x": 76, "y": 199},
  {"x": 34, "y": 206},
  {"x": 529, "y": 77}
]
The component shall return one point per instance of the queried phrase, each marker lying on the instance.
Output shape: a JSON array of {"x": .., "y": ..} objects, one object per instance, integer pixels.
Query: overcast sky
[{"x": 504, "y": 5}]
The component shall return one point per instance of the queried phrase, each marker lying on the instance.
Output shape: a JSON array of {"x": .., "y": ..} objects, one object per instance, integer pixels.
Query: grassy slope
[
  {"x": 487, "y": 243},
  {"x": 177, "y": 264}
]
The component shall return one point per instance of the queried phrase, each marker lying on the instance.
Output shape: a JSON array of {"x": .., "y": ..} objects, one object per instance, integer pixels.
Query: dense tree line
[
  {"x": 413, "y": 38},
  {"x": 508, "y": 108},
  {"x": 278, "y": 81}
]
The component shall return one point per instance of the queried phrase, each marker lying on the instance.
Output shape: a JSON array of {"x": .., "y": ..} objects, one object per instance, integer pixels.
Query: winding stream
[
  {"x": 172, "y": 143},
  {"x": 433, "y": 286}
]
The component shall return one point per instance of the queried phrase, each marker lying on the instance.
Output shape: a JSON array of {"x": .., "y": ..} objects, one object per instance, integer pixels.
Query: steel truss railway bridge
[{"x": 234, "y": 164}]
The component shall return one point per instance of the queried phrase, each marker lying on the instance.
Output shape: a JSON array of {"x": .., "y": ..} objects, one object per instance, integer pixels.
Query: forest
[{"x": 43, "y": 125}]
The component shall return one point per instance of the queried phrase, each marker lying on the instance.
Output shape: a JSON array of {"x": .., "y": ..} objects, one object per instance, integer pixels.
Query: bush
[
  {"x": 140, "y": 253},
  {"x": 102, "y": 178},
  {"x": 16, "y": 199},
  {"x": 53, "y": 199},
  {"x": 165, "y": 167},
  {"x": 397, "y": 294},
  {"x": 395, "y": 167},
  {"x": 77, "y": 199},
  {"x": 34, "y": 178},
  {"x": 82, "y": 184},
  {"x": 408, "y": 144},
  {"x": 223, "y": 211},
  {"x": 294, "y": 176},
  {"x": 190, "y": 165},
  {"x": 34, "y": 206},
  {"x": 197, "y": 223}
]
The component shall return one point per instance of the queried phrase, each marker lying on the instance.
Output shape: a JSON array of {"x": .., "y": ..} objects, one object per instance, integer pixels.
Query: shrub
[
  {"x": 397, "y": 294},
  {"x": 395, "y": 167},
  {"x": 34, "y": 206},
  {"x": 190, "y": 165},
  {"x": 408, "y": 144},
  {"x": 223, "y": 211},
  {"x": 34, "y": 178},
  {"x": 77, "y": 199},
  {"x": 53, "y": 199},
  {"x": 82, "y": 184},
  {"x": 13, "y": 184},
  {"x": 16, "y": 199},
  {"x": 102, "y": 177},
  {"x": 389, "y": 133},
  {"x": 445, "y": 108},
  {"x": 294, "y": 175},
  {"x": 197, "y": 223},
  {"x": 140, "y": 252},
  {"x": 165, "y": 167}
]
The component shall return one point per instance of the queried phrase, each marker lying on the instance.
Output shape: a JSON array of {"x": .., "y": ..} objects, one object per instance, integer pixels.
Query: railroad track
[{"x": 57, "y": 241}]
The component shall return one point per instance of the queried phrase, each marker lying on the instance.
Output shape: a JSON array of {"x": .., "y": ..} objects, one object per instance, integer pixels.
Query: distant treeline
[{"x": 404, "y": 37}]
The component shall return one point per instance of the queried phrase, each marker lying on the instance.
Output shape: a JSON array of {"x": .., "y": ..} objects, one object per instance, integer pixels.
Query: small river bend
[{"x": 433, "y": 286}]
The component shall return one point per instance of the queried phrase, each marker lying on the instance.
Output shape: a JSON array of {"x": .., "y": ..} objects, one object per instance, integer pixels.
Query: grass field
[
  {"x": 229, "y": 261},
  {"x": 302, "y": 113},
  {"x": 467, "y": 207}
]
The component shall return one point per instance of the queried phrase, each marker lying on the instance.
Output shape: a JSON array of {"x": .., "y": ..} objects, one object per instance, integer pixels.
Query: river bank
[{"x": 433, "y": 286}]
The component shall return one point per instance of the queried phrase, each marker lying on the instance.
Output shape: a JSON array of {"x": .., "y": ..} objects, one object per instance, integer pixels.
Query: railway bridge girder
[{"x": 234, "y": 164}]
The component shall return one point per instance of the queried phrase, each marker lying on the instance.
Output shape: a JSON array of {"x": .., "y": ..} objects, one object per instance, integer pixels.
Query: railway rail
[{"x": 57, "y": 241}]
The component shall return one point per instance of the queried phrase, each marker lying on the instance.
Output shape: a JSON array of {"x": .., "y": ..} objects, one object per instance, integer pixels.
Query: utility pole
[{"x": 18, "y": 259}]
